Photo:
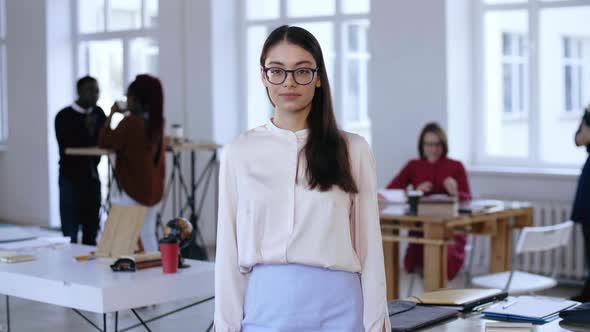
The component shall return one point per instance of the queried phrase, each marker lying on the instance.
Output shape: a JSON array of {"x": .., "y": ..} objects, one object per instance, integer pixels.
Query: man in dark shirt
[{"x": 79, "y": 186}]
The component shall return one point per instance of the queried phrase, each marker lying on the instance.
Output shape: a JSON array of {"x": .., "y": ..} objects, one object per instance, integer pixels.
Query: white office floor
[{"x": 34, "y": 316}]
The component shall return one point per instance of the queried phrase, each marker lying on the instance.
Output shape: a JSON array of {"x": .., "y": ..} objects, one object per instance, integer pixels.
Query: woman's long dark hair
[
  {"x": 148, "y": 91},
  {"x": 326, "y": 150}
]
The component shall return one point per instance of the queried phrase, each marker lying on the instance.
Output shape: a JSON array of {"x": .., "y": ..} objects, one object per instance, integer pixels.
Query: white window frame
[
  {"x": 514, "y": 60},
  {"x": 579, "y": 66},
  {"x": 3, "y": 68},
  {"x": 339, "y": 20},
  {"x": 125, "y": 36},
  {"x": 533, "y": 9}
]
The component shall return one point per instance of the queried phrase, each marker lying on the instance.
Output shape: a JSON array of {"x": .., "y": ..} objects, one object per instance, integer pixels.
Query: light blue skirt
[{"x": 296, "y": 298}]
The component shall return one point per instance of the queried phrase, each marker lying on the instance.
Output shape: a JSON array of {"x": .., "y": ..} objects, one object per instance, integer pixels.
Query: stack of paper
[
  {"x": 393, "y": 195},
  {"x": 41, "y": 242},
  {"x": 533, "y": 309},
  {"x": 509, "y": 327},
  {"x": 9, "y": 233}
]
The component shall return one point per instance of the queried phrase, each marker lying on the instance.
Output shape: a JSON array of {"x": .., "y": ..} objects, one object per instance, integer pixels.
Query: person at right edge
[{"x": 581, "y": 208}]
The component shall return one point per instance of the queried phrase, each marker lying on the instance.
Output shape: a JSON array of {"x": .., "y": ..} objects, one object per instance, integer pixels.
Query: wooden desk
[{"x": 437, "y": 233}]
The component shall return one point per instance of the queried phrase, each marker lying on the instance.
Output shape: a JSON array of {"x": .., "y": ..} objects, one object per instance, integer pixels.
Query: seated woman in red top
[
  {"x": 138, "y": 141},
  {"x": 434, "y": 173}
]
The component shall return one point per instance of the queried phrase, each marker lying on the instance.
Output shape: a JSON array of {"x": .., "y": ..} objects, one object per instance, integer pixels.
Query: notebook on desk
[
  {"x": 534, "y": 309},
  {"x": 406, "y": 316},
  {"x": 464, "y": 300}
]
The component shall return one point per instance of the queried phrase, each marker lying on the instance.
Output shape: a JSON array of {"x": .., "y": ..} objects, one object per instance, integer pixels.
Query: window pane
[
  {"x": 90, "y": 16},
  {"x": 561, "y": 31},
  {"x": 506, "y": 44},
  {"x": 522, "y": 93},
  {"x": 505, "y": 135},
  {"x": 124, "y": 15},
  {"x": 262, "y": 9},
  {"x": 104, "y": 61},
  {"x": 507, "y": 87},
  {"x": 2, "y": 19},
  {"x": 352, "y": 92},
  {"x": 143, "y": 57},
  {"x": 308, "y": 8},
  {"x": 566, "y": 47},
  {"x": 355, "y": 6},
  {"x": 259, "y": 107},
  {"x": 151, "y": 13}
]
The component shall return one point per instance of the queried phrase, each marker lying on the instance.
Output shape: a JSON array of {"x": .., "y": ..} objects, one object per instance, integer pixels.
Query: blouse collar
[{"x": 273, "y": 128}]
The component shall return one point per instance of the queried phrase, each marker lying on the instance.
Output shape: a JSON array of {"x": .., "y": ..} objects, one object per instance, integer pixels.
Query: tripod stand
[{"x": 177, "y": 186}]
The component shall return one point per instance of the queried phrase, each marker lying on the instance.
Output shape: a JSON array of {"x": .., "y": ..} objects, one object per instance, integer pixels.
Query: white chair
[{"x": 532, "y": 239}]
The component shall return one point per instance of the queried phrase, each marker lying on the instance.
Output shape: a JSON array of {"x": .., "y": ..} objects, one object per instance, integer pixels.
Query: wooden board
[{"x": 121, "y": 231}]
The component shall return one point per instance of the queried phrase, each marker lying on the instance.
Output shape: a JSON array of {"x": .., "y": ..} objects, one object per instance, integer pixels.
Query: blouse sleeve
[
  {"x": 229, "y": 282},
  {"x": 402, "y": 179},
  {"x": 368, "y": 242}
]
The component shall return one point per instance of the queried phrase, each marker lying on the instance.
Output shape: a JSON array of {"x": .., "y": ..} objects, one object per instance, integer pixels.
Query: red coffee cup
[{"x": 169, "y": 250}]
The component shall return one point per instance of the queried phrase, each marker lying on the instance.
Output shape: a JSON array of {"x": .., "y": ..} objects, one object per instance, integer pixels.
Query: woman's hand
[
  {"x": 425, "y": 187},
  {"x": 115, "y": 108},
  {"x": 451, "y": 186}
]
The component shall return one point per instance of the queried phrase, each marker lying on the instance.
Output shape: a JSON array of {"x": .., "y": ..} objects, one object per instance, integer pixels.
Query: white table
[
  {"x": 475, "y": 323},
  {"x": 56, "y": 278}
]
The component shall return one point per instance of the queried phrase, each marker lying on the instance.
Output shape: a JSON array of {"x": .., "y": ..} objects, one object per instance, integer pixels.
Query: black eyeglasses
[
  {"x": 432, "y": 144},
  {"x": 301, "y": 76}
]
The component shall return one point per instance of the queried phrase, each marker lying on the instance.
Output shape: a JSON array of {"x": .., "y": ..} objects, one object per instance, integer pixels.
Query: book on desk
[
  {"x": 532, "y": 309},
  {"x": 439, "y": 206},
  {"x": 464, "y": 300}
]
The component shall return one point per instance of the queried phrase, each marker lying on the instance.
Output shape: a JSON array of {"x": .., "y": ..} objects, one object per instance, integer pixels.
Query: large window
[
  {"x": 534, "y": 83},
  {"x": 341, "y": 26},
  {"x": 116, "y": 40},
  {"x": 3, "y": 119},
  {"x": 575, "y": 73},
  {"x": 514, "y": 64}
]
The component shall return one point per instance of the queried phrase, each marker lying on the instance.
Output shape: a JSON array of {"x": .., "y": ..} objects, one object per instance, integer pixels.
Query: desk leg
[
  {"x": 7, "y": 313},
  {"x": 141, "y": 320},
  {"x": 391, "y": 257},
  {"x": 500, "y": 248},
  {"x": 116, "y": 321},
  {"x": 104, "y": 322},
  {"x": 435, "y": 258}
]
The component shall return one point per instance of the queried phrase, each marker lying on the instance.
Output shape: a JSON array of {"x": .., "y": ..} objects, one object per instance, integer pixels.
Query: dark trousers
[{"x": 79, "y": 205}]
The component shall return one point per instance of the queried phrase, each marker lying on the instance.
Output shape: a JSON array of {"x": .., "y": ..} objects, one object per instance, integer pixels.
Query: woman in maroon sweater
[
  {"x": 434, "y": 173},
  {"x": 138, "y": 141}
]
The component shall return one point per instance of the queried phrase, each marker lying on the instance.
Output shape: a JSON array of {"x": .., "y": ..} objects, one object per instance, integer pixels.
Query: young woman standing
[{"x": 299, "y": 242}]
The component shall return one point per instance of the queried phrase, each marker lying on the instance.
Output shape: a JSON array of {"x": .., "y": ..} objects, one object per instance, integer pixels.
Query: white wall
[
  {"x": 186, "y": 70},
  {"x": 408, "y": 82},
  {"x": 60, "y": 89},
  {"x": 24, "y": 185}
]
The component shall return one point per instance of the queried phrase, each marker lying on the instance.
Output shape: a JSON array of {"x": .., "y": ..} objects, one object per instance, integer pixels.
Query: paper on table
[
  {"x": 393, "y": 195},
  {"x": 14, "y": 233},
  {"x": 36, "y": 243},
  {"x": 395, "y": 210}
]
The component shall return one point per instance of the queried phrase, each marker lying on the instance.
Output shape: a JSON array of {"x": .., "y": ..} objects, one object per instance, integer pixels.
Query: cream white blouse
[{"x": 268, "y": 215}]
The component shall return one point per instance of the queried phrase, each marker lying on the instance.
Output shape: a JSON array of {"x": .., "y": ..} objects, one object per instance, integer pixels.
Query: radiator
[{"x": 571, "y": 259}]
